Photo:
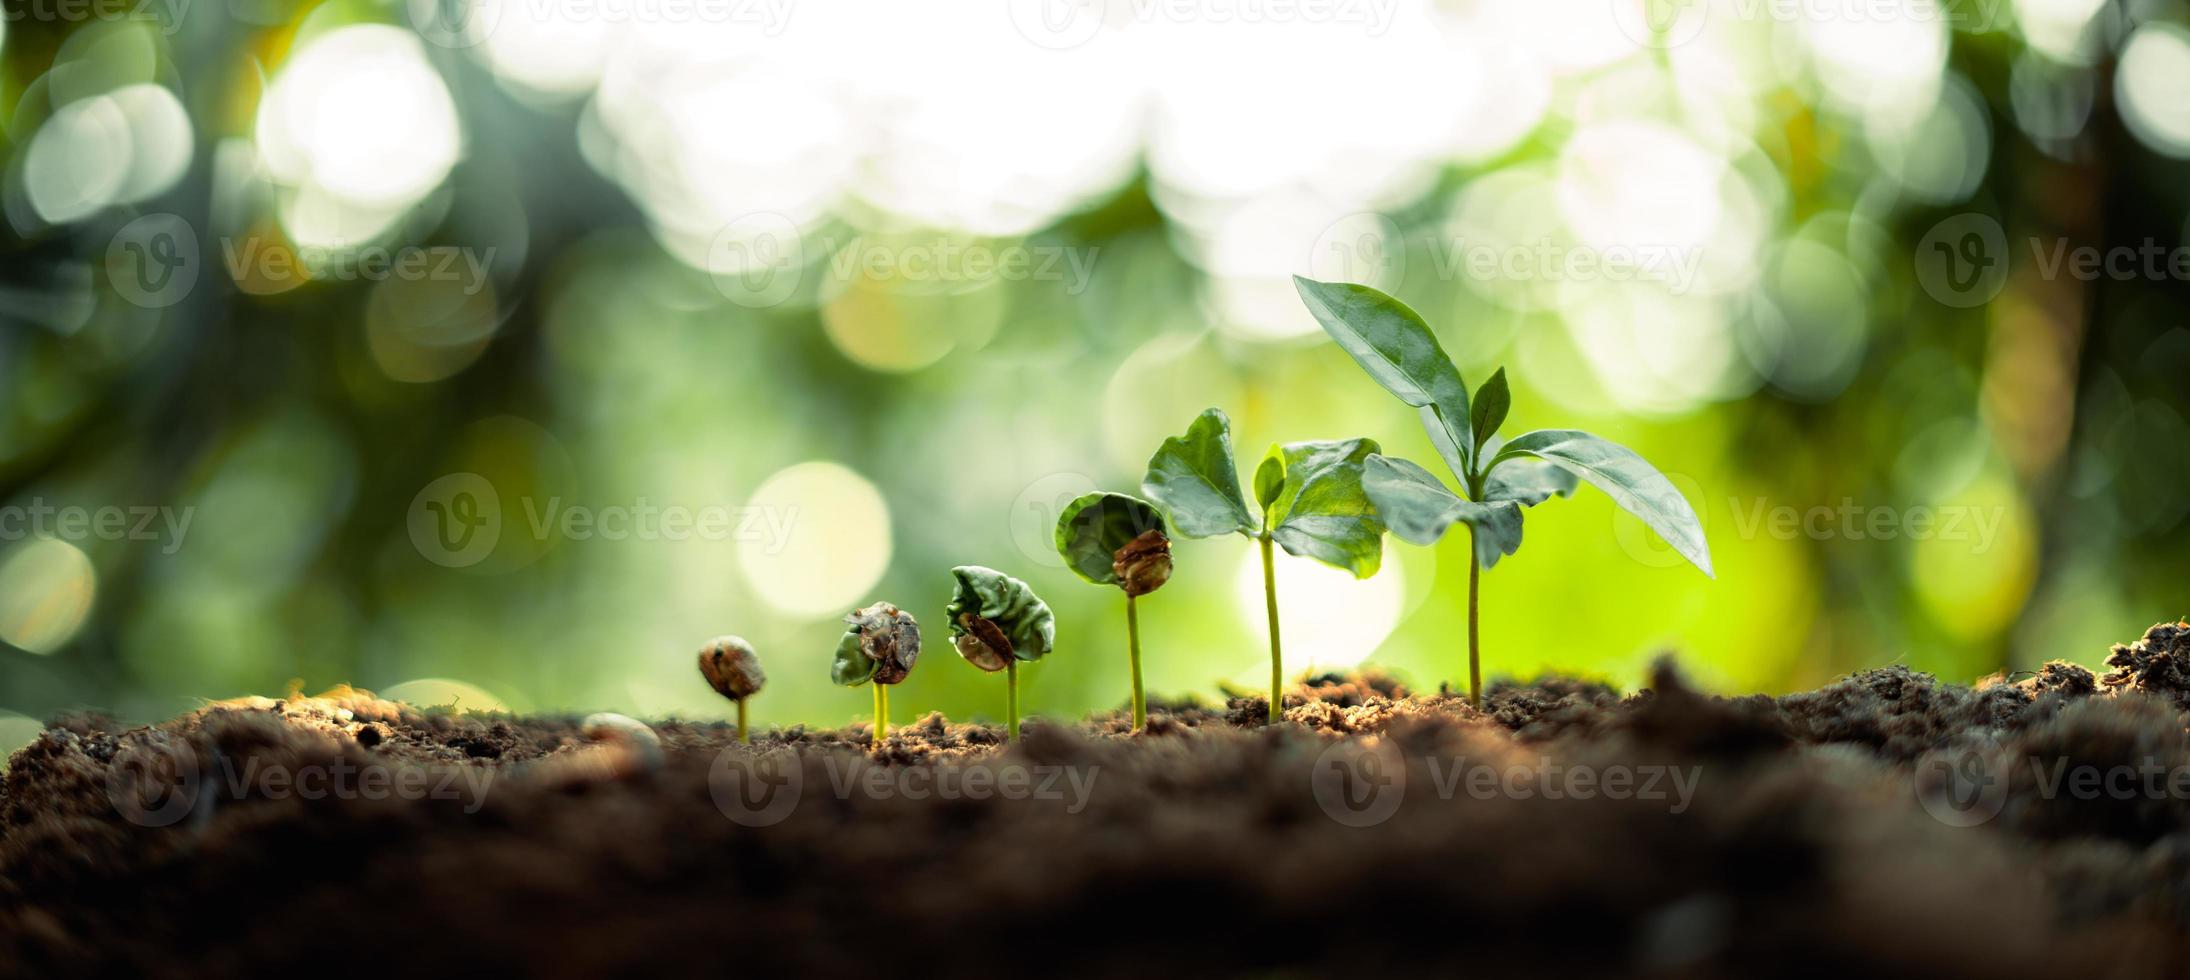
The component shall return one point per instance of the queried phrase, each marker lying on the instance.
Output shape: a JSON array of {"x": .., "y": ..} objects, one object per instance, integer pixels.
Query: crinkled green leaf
[
  {"x": 1488, "y": 411},
  {"x": 1009, "y": 603},
  {"x": 1270, "y": 479},
  {"x": 1627, "y": 478},
  {"x": 1527, "y": 482},
  {"x": 851, "y": 668},
  {"x": 1321, "y": 512},
  {"x": 1094, "y": 526},
  {"x": 1393, "y": 344},
  {"x": 1419, "y": 509},
  {"x": 1194, "y": 479}
]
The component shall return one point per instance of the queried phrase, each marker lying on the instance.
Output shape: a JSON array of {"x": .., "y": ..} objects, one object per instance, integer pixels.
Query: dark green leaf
[
  {"x": 1094, "y": 526},
  {"x": 1419, "y": 509},
  {"x": 1393, "y": 344},
  {"x": 1321, "y": 512},
  {"x": 1193, "y": 478},
  {"x": 1270, "y": 479},
  {"x": 1009, "y": 603},
  {"x": 1489, "y": 410},
  {"x": 1632, "y": 483}
]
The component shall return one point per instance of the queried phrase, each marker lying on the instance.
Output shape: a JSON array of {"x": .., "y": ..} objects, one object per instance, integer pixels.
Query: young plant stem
[
  {"x": 1277, "y": 654},
  {"x": 743, "y": 738},
  {"x": 1133, "y": 657},
  {"x": 1011, "y": 700},
  {"x": 1475, "y": 662},
  {"x": 881, "y": 713}
]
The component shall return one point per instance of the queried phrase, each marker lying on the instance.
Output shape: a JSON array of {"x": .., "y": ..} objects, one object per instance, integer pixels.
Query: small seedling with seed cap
[
  {"x": 1115, "y": 539},
  {"x": 997, "y": 621},
  {"x": 732, "y": 669},
  {"x": 879, "y": 646}
]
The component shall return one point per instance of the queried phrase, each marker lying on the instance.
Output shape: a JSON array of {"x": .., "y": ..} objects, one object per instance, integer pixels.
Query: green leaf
[
  {"x": 1527, "y": 482},
  {"x": 1419, "y": 509},
  {"x": 1393, "y": 344},
  {"x": 1270, "y": 479},
  {"x": 1489, "y": 410},
  {"x": 1094, "y": 526},
  {"x": 1321, "y": 512},
  {"x": 1009, "y": 603},
  {"x": 1631, "y": 482},
  {"x": 1192, "y": 477},
  {"x": 852, "y": 667}
]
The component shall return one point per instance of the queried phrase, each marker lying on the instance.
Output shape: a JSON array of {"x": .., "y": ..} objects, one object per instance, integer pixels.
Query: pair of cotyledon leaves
[{"x": 1396, "y": 347}]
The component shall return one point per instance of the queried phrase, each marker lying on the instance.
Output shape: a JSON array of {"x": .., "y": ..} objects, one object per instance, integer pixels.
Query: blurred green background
[{"x": 502, "y": 354}]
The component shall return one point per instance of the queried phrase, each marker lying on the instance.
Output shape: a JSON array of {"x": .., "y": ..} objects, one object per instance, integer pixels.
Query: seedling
[
  {"x": 1115, "y": 539},
  {"x": 1308, "y": 500},
  {"x": 996, "y": 622},
  {"x": 880, "y": 646},
  {"x": 732, "y": 669},
  {"x": 1397, "y": 349}
]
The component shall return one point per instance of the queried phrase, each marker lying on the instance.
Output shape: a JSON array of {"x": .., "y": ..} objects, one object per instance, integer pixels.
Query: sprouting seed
[
  {"x": 1115, "y": 539},
  {"x": 996, "y": 621},
  {"x": 733, "y": 670},
  {"x": 880, "y": 646}
]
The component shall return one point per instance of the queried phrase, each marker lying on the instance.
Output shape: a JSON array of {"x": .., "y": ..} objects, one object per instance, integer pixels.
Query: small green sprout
[
  {"x": 997, "y": 621},
  {"x": 880, "y": 646},
  {"x": 1393, "y": 344},
  {"x": 732, "y": 669},
  {"x": 1308, "y": 499},
  {"x": 1115, "y": 539}
]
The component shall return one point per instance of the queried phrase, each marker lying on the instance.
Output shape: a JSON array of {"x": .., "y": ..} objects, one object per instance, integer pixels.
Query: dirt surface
[{"x": 1888, "y": 824}]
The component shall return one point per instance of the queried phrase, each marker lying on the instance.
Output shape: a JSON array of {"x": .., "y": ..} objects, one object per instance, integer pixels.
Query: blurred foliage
[{"x": 755, "y": 287}]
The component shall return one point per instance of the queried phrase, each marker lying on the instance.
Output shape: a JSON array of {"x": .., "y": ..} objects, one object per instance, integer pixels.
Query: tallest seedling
[
  {"x": 1396, "y": 348},
  {"x": 1308, "y": 500}
]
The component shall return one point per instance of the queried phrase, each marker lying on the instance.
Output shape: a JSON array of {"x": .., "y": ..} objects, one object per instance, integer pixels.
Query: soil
[{"x": 1822, "y": 833}]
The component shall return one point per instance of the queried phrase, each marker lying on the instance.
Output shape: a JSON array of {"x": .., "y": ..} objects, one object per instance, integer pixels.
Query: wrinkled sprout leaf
[{"x": 985, "y": 594}]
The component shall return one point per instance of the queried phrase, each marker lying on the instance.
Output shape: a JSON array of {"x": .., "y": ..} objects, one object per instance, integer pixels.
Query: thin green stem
[
  {"x": 1133, "y": 656},
  {"x": 1011, "y": 700},
  {"x": 1277, "y": 650},
  {"x": 1475, "y": 661},
  {"x": 881, "y": 713},
  {"x": 743, "y": 737}
]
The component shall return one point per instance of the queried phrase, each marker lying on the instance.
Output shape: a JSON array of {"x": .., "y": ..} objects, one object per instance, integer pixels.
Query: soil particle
[
  {"x": 2158, "y": 664},
  {"x": 1781, "y": 835}
]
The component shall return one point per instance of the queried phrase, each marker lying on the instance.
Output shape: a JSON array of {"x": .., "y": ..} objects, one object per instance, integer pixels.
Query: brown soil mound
[{"x": 1887, "y": 824}]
